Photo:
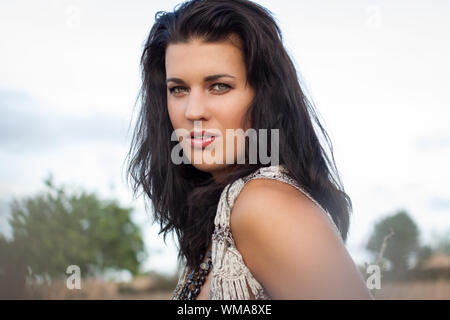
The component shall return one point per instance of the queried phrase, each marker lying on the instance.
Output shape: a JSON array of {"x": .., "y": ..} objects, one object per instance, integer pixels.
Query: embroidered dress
[{"x": 231, "y": 278}]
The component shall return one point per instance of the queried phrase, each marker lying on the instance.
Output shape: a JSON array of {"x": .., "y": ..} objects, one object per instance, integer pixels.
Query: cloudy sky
[{"x": 378, "y": 72}]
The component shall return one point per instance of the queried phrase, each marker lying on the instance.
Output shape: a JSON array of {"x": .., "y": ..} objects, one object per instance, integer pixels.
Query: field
[{"x": 428, "y": 290}]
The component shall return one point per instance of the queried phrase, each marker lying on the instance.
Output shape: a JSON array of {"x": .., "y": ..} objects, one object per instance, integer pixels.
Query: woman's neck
[{"x": 220, "y": 175}]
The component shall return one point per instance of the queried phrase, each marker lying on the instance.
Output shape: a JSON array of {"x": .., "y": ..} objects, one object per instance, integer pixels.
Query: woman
[{"x": 246, "y": 229}]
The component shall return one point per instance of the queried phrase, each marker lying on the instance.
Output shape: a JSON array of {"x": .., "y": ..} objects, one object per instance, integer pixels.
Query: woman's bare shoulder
[
  {"x": 268, "y": 199},
  {"x": 289, "y": 245}
]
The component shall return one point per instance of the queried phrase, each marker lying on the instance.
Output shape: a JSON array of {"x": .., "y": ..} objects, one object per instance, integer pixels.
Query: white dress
[{"x": 231, "y": 278}]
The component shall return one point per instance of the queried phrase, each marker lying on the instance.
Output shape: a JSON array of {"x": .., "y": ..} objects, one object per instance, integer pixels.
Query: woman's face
[{"x": 207, "y": 91}]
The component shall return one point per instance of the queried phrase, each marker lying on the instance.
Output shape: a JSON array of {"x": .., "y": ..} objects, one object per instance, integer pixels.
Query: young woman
[{"x": 246, "y": 229}]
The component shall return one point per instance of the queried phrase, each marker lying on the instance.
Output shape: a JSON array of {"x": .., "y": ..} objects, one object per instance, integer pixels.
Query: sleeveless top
[{"x": 231, "y": 278}]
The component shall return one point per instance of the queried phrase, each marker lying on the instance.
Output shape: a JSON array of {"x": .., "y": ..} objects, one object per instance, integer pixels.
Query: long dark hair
[{"x": 184, "y": 198}]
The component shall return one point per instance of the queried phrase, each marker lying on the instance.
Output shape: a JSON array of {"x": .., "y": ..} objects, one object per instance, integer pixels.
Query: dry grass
[
  {"x": 149, "y": 296},
  {"x": 143, "y": 287},
  {"x": 427, "y": 290},
  {"x": 90, "y": 289},
  {"x": 414, "y": 290}
]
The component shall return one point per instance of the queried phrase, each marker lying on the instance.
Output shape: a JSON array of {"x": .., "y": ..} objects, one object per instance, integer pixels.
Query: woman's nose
[{"x": 196, "y": 108}]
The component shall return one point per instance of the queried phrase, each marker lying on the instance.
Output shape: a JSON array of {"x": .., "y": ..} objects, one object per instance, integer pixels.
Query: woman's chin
[{"x": 210, "y": 167}]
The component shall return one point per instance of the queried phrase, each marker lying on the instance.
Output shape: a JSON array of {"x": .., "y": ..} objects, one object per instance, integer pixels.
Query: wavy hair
[{"x": 184, "y": 198}]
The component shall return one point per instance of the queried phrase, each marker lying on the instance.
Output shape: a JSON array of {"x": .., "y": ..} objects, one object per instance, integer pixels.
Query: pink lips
[{"x": 201, "y": 139}]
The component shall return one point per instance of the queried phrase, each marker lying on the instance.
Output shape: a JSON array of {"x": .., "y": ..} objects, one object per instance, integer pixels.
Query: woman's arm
[{"x": 289, "y": 245}]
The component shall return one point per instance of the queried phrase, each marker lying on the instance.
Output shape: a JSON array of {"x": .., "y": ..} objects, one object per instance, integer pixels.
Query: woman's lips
[
  {"x": 198, "y": 142},
  {"x": 201, "y": 139}
]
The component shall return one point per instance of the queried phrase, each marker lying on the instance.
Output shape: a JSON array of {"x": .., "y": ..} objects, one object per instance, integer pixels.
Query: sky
[{"x": 377, "y": 71}]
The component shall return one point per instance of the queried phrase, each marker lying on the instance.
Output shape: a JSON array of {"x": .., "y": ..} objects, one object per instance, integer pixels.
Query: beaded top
[{"x": 231, "y": 278}]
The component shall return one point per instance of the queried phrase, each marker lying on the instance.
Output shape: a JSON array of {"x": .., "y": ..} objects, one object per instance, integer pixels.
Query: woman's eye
[
  {"x": 176, "y": 90},
  {"x": 221, "y": 87},
  {"x": 218, "y": 87}
]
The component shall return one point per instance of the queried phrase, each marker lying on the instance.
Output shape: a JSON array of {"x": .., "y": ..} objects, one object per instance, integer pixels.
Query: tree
[
  {"x": 58, "y": 228},
  {"x": 13, "y": 269},
  {"x": 443, "y": 243},
  {"x": 403, "y": 244},
  {"x": 423, "y": 253}
]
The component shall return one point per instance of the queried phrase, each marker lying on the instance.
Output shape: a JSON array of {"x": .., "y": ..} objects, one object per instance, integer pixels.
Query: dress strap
[{"x": 277, "y": 172}]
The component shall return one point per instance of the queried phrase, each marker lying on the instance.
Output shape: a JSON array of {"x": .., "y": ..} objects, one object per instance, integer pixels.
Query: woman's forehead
[{"x": 198, "y": 58}]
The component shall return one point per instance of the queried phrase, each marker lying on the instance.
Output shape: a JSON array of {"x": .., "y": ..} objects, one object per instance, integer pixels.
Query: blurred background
[{"x": 377, "y": 71}]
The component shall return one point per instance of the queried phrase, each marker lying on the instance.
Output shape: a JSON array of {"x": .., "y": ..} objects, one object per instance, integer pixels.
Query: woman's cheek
[{"x": 176, "y": 116}]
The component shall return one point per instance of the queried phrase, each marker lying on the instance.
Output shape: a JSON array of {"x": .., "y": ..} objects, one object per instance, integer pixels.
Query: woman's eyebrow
[{"x": 205, "y": 79}]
